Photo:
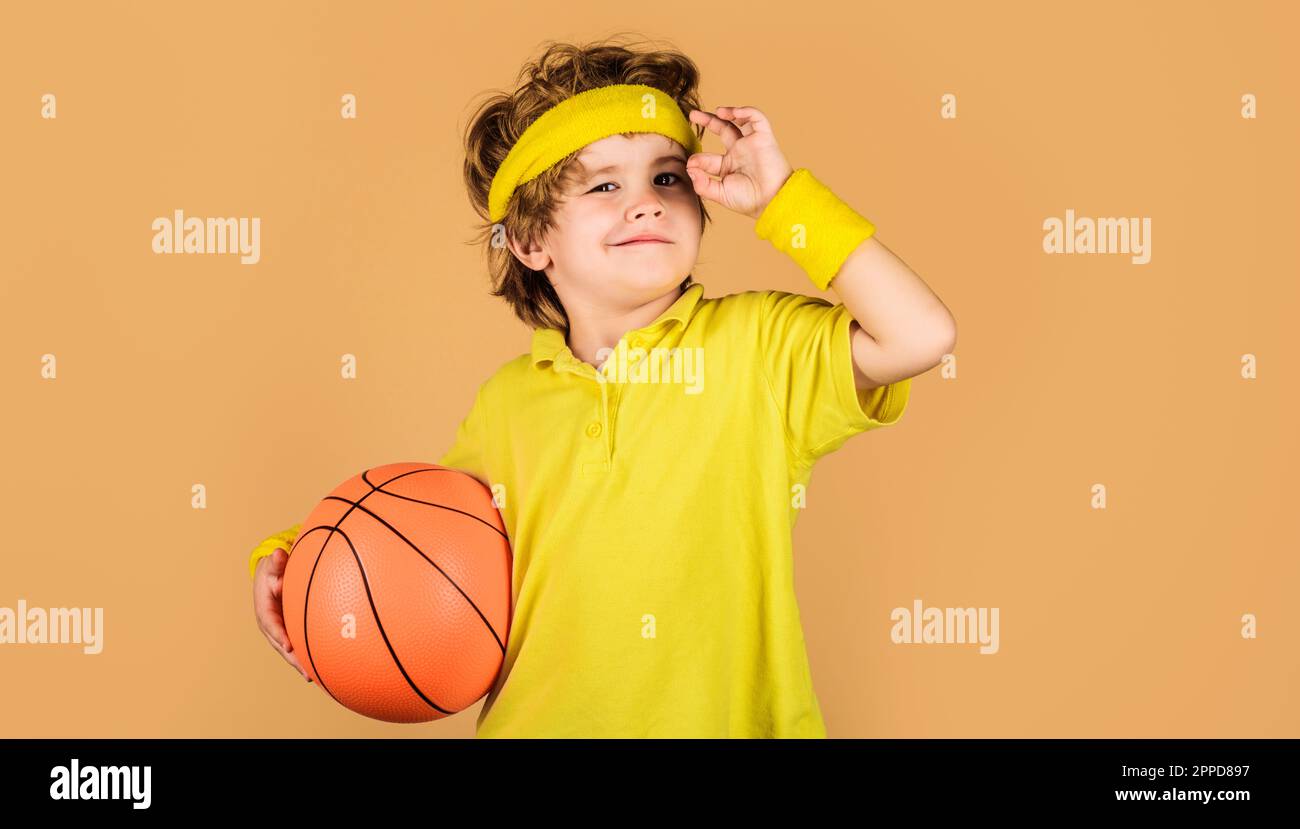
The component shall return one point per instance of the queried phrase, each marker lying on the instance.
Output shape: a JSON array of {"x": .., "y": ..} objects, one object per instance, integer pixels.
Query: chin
[{"x": 653, "y": 283}]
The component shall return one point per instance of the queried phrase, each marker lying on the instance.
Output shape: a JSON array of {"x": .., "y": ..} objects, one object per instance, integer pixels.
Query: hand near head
[{"x": 752, "y": 169}]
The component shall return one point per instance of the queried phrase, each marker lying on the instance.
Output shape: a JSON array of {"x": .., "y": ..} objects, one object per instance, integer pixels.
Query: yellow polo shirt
[
  {"x": 651, "y": 516},
  {"x": 650, "y": 506}
]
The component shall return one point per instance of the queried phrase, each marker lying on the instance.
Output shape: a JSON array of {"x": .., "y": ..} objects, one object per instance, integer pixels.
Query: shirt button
[{"x": 593, "y": 429}]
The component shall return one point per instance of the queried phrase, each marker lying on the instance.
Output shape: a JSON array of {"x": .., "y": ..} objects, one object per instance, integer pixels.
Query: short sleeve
[
  {"x": 467, "y": 452},
  {"x": 806, "y": 350}
]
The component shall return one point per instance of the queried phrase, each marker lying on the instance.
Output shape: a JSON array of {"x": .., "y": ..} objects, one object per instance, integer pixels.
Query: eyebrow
[{"x": 609, "y": 168}]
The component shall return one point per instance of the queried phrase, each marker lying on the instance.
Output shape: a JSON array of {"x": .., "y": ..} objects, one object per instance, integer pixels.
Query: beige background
[{"x": 1072, "y": 370}]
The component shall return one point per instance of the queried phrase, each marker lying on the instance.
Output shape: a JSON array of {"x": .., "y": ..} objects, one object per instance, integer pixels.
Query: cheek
[
  {"x": 590, "y": 222},
  {"x": 689, "y": 211},
  {"x": 578, "y": 230}
]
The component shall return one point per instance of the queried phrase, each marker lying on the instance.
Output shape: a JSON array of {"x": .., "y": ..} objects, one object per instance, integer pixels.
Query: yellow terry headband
[{"x": 578, "y": 121}]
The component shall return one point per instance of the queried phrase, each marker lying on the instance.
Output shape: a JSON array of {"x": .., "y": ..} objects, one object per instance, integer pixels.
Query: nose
[{"x": 646, "y": 203}]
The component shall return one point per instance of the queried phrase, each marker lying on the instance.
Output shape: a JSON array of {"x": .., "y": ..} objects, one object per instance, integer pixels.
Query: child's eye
[{"x": 676, "y": 179}]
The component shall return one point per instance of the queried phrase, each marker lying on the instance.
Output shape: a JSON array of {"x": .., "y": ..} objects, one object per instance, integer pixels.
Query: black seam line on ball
[
  {"x": 357, "y": 505},
  {"x": 380, "y": 488},
  {"x": 365, "y": 581},
  {"x": 306, "y": 604},
  {"x": 365, "y": 476},
  {"x": 410, "y": 544}
]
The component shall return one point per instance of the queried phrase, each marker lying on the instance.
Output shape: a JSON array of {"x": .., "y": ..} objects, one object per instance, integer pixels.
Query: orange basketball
[{"x": 397, "y": 592}]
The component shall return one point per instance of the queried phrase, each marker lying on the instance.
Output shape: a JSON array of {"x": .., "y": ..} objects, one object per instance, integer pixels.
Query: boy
[{"x": 649, "y": 444}]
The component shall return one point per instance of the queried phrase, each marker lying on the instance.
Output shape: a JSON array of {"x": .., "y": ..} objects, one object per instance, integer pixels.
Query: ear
[{"x": 533, "y": 256}]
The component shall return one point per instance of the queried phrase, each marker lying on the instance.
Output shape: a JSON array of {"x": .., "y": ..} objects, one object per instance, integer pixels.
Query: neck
[{"x": 592, "y": 329}]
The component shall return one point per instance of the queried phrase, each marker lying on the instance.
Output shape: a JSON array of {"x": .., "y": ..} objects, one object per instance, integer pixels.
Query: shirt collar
[{"x": 549, "y": 344}]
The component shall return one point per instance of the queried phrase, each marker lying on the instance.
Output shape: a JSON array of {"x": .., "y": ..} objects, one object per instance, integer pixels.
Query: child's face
[{"x": 646, "y": 192}]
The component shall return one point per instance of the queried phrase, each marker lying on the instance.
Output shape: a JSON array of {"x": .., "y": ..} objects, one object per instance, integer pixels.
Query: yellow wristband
[
  {"x": 809, "y": 223},
  {"x": 283, "y": 540}
]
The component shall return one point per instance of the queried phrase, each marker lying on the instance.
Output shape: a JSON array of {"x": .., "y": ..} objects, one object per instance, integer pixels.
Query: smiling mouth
[{"x": 642, "y": 242}]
